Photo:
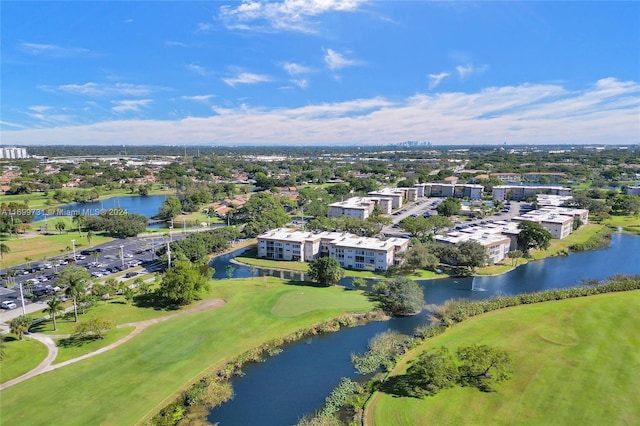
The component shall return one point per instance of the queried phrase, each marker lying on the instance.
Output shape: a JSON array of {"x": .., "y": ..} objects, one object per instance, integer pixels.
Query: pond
[
  {"x": 147, "y": 206},
  {"x": 284, "y": 388}
]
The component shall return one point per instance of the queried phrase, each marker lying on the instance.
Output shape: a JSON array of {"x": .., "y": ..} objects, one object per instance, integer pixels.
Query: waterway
[
  {"x": 147, "y": 206},
  {"x": 284, "y": 388}
]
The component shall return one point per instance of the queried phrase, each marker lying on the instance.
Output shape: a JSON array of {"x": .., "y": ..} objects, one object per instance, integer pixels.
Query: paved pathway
[{"x": 47, "y": 364}]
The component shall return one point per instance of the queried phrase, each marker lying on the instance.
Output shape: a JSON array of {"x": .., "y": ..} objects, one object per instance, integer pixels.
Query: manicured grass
[
  {"x": 629, "y": 224},
  {"x": 576, "y": 362},
  {"x": 40, "y": 248},
  {"x": 134, "y": 380},
  {"x": 21, "y": 356},
  {"x": 499, "y": 268},
  {"x": 300, "y": 302},
  {"x": 69, "y": 348},
  {"x": 115, "y": 310},
  {"x": 580, "y": 236}
]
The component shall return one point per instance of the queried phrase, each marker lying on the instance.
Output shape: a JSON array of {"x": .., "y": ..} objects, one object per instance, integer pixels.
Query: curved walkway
[{"x": 47, "y": 364}]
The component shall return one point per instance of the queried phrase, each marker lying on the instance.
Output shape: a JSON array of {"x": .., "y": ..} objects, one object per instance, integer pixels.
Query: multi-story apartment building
[
  {"x": 496, "y": 245},
  {"x": 11, "y": 153},
  {"x": 520, "y": 192},
  {"x": 471, "y": 191},
  {"x": 359, "y": 207},
  {"x": 350, "y": 250}
]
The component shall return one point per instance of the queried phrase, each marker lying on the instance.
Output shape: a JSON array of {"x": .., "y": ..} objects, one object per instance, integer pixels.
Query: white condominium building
[
  {"x": 497, "y": 245},
  {"x": 520, "y": 192},
  {"x": 350, "y": 250}
]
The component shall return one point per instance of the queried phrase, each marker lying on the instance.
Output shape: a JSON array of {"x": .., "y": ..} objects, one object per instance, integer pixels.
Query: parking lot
[{"x": 39, "y": 278}]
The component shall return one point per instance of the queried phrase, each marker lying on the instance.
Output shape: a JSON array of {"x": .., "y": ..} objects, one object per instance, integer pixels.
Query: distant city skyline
[{"x": 319, "y": 72}]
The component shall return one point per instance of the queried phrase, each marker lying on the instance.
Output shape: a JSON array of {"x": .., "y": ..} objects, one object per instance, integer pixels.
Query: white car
[{"x": 8, "y": 304}]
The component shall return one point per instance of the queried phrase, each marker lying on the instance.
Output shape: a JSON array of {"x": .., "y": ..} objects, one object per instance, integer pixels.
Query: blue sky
[{"x": 319, "y": 72}]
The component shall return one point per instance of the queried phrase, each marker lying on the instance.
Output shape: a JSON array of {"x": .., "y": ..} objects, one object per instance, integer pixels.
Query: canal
[{"x": 284, "y": 388}]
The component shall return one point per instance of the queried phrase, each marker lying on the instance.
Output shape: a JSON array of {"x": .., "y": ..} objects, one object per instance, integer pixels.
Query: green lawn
[
  {"x": 629, "y": 224},
  {"x": 131, "y": 382},
  {"x": 580, "y": 236},
  {"x": 295, "y": 303},
  {"x": 42, "y": 247},
  {"x": 115, "y": 310},
  {"x": 577, "y": 362},
  {"x": 20, "y": 356},
  {"x": 69, "y": 348}
]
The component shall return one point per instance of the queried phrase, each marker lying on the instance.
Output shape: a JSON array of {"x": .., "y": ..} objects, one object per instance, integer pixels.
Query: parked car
[
  {"x": 130, "y": 274},
  {"x": 8, "y": 304}
]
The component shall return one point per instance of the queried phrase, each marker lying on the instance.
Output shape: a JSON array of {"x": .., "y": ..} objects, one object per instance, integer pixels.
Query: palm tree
[
  {"x": 28, "y": 260},
  {"x": 53, "y": 307},
  {"x": 4, "y": 249},
  {"x": 75, "y": 279},
  {"x": 19, "y": 325},
  {"x": 79, "y": 220},
  {"x": 60, "y": 226},
  {"x": 90, "y": 235}
]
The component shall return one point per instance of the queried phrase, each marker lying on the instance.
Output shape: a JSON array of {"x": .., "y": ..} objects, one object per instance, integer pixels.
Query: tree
[
  {"x": 53, "y": 307},
  {"x": 79, "y": 220},
  {"x": 230, "y": 270},
  {"x": 514, "y": 255},
  {"x": 183, "y": 283},
  {"x": 359, "y": 283},
  {"x": 170, "y": 208},
  {"x": 20, "y": 325},
  {"x": 326, "y": 271},
  {"x": 449, "y": 207},
  {"x": 60, "y": 226},
  {"x": 432, "y": 371},
  {"x": 4, "y": 249},
  {"x": 93, "y": 326},
  {"x": 482, "y": 364},
  {"x": 419, "y": 257},
  {"x": 75, "y": 279},
  {"x": 532, "y": 236},
  {"x": 472, "y": 254},
  {"x": 400, "y": 296},
  {"x": 90, "y": 235}
]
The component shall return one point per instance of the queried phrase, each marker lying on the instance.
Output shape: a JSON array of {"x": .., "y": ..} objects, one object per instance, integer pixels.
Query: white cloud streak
[
  {"x": 130, "y": 105},
  {"x": 436, "y": 79},
  {"x": 336, "y": 61},
  {"x": 198, "y": 98},
  {"x": 605, "y": 112},
  {"x": 97, "y": 90},
  {"x": 295, "y": 69},
  {"x": 464, "y": 71},
  {"x": 52, "y": 50},
  {"x": 246, "y": 78},
  {"x": 287, "y": 15}
]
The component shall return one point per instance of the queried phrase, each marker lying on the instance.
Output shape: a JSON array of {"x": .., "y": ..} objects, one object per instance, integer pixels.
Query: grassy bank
[
  {"x": 575, "y": 363},
  {"x": 628, "y": 224},
  {"x": 20, "y": 356},
  {"x": 136, "y": 379}
]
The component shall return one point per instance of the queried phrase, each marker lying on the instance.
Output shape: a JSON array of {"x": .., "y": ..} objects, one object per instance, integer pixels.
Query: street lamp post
[
  {"x": 153, "y": 249},
  {"x": 73, "y": 243},
  {"x": 170, "y": 229},
  {"x": 122, "y": 255},
  {"x": 24, "y": 311},
  {"x": 184, "y": 226},
  {"x": 168, "y": 255}
]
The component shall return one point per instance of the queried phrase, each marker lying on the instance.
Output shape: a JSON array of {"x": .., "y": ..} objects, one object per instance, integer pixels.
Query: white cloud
[
  {"x": 198, "y": 98},
  {"x": 436, "y": 79},
  {"x": 295, "y": 69},
  {"x": 465, "y": 71},
  {"x": 247, "y": 78},
  {"x": 100, "y": 90},
  {"x": 301, "y": 83},
  {"x": 198, "y": 69},
  {"x": 130, "y": 105},
  {"x": 52, "y": 50},
  {"x": 172, "y": 43},
  {"x": 40, "y": 108},
  {"x": 335, "y": 60},
  {"x": 287, "y": 15},
  {"x": 605, "y": 112}
]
